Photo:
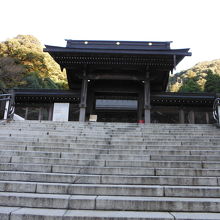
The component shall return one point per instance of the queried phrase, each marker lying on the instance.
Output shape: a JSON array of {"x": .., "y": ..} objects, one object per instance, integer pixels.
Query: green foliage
[
  {"x": 190, "y": 85},
  {"x": 212, "y": 83},
  {"x": 11, "y": 72},
  {"x": 34, "y": 81},
  {"x": 203, "y": 77},
  {"x": 39, "y": 70}
]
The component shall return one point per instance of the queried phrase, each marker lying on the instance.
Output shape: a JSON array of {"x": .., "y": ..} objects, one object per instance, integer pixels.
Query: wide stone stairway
[{"x": 72, "y": 170}]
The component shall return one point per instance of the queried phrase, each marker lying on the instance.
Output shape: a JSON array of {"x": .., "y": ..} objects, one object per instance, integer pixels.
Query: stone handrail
[
  {"x": 216, "y": 110},
  {"x": 8, "y": 100}
]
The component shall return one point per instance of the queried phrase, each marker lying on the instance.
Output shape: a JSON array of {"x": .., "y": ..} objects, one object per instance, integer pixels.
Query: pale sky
[{"x": 191, "y": 24}]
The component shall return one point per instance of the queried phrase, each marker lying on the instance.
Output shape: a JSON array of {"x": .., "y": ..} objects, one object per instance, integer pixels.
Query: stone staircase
[{"x": 72, "y": 170}]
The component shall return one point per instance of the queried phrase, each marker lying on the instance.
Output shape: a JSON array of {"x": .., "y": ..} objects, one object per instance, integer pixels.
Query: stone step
[
  {"x": 187, "y": 172},
  {"x": 131, "y": 203},
  {"x": 158, "y": 204},
  {"x": 132, "y": 171},
  {"x": 140, "y": 171},
  {"x": 74, "y": 156},
  {"x": 84, "y": 189},
  {"x": 124, "y": 148},
  {"x": 100, "y": 124},
  {"x": 72, "y": 135},
  {"x": 132, "y": 133},
  {"x": 133, "y": 145},
  {"x": 17, "y": 213},
  {"x": 106, "y": 156},
  {"x": 26, "y": 167},
  {"x": 116, "y": 141},
  {"x": 16, "y": 147},
  {"x": 113, "y": 190},
  {"x": 79, "y": 135},
  {"x": 50, "y": 177},
  {"x": 60, "y": 161},
  {"x": 76, "y": 169},
  {"x": 36, "y": 145},
  {"x": 183, "y": 147},
  {"x": 108, "y": 130},
  {"x": 9, "y": 153},
  {"x": 110, "y": 163},
  {"x": 108, "y": 179},
  {"x": 120, "y": 151},
  {"x": 116, "y": 151},
  {"x": 112, "y": 128},
  {"x": 161, "y": 180},
  {"x": 184, "y": 158}
]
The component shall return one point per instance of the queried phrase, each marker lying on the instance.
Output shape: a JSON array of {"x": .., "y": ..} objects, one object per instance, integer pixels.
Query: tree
[
  {"x": 199, "y": 74},
  {"x": 34, "y": 81},
  {"x": 11, "y": 72},
  {"x": 212, "y": 83},
  {"x": 190, "y": 86},
  {"x": 28, "y": 52}
]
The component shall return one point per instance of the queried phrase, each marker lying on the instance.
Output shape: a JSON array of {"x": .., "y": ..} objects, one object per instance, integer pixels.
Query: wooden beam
[{"x": 112, "y": 76}]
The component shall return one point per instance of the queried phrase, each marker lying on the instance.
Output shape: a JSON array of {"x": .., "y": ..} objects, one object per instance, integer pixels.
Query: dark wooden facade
[
  {"x": 165, "y": 107},
  {"x": 132, "y": 70}
]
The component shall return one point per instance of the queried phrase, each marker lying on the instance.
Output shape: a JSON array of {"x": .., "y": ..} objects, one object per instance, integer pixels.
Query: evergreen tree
[
  {"x": 190, "y": 86},
  {"x": 199, "y": 74},
  {"x": 11, "y": 72},
  {"x": 27, "y": 52},
  {"x": 212, "y": 83}
]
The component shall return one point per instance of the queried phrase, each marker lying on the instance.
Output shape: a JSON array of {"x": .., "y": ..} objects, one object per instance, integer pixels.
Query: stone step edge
[
  {"x": 104, "y": 179},
  {"x": 118, "y": 203},
  {"x": 33, "y": 187},
  {"x": 155, "y": 170},
  {"x": 107, "y": 150},
  {"x": 106, "y": 162},
  {"x": 149, "y": 156},
  {"x": 13, "y": 213},
  {"x": 32, "y": 213}
]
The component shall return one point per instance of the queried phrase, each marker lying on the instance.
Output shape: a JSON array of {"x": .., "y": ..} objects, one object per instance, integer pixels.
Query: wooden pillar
[
  {"x": 207, "y": 117},
  {"x": 26, "y": 113},
  {"x": 91, "y": 97},
  {"x": 82, "y": 106},
  {"x": 50, "y": 114},
  {"x": 40, "y": 114},
  {"x": 181, "y": 116},
  {"x": 140, "y": 107},
  {"x": 147, "y": 99},
  {"x": 191, "y": 117}
]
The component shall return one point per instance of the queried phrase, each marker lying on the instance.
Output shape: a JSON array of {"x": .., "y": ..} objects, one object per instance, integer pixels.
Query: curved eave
[{"x": 55, "y": 50}]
